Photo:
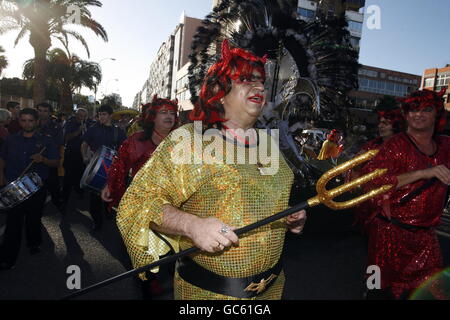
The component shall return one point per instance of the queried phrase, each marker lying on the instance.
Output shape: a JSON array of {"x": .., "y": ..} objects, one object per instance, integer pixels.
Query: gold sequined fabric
[{"x": 237, "y": 194}]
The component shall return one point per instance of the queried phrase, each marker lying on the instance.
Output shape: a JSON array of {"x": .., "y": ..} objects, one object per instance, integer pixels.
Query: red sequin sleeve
[
  {"x": 389, "y": 157},
  {"x": 118, "y": 172}
]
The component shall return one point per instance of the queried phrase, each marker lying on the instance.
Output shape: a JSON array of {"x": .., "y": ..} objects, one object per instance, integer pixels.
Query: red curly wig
[
  {"x": 422, "y": 99},
  {"x": 150, "y": 110},
  {"x": 234, "y": 65}
]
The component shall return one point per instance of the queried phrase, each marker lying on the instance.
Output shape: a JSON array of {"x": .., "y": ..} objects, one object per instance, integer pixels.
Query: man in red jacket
[{"x": 402, "y": 242}]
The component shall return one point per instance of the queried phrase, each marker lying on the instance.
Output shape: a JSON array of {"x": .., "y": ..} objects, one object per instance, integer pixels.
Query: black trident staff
[{"x": 323, "y": 196}]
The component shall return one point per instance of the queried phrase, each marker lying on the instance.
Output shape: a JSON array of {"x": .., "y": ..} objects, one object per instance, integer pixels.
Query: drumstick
[{"x": 32, "y": 162}]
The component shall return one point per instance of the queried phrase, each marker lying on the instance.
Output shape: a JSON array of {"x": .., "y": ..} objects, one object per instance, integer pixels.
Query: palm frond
[
  {"x": 3, "y": 60},
  {"x": 78, "y": 37},
  {"x": 22, "y": 33},
  {"x": 96, "y": 27}
]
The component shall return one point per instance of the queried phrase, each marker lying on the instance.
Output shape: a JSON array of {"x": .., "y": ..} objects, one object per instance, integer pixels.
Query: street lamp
[{"x": 96, "y": 87}]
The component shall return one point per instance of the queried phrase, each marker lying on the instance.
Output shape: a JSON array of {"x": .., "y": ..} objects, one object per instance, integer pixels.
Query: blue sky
[{"x": 412, "y": 38}]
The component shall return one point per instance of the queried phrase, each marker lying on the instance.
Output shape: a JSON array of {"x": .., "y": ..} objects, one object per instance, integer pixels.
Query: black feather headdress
[{"x": 311, "y": 65}]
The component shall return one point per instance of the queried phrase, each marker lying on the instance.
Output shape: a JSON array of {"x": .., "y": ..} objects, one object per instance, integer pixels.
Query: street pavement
[{"x": 326, "y": 262}]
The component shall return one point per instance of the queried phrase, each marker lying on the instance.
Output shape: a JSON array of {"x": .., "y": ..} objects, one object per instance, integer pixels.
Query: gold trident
[
  {"x": 323, "y": 196},
  {"x": 326, "y": 196}
]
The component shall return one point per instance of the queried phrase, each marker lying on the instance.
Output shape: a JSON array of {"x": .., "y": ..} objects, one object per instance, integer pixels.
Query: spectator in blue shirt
[
  {"x": 52, "y": 129},
  {"x": 18, "y": 151},
  {"x": 102, "y": 133}
]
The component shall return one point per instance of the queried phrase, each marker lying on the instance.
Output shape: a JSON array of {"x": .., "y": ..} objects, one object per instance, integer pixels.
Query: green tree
[
  {"x": 44, "y": 20},
  {"x": 68, "y": 73},
  {"x": 113, "y": 101},
  {"x": 3, "y": 60}
]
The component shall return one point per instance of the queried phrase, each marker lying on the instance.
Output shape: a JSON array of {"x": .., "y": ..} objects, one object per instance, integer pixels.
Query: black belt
[
  {"x": 403, "y": 225},
  {"x": 246, "y": 287}
]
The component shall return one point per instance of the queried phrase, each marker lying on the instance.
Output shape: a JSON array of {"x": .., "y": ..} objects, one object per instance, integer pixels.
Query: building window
[
  {"x": 355, "y": 43},
  {"x": 306, "y": 13},
  {"x": 355, "y": 26},
  {"x": 443, "y": 80},
  {"x": 363, "y": 82},
  {"x": 429, "y": 82},
  {"x": 369, "y": 73}
]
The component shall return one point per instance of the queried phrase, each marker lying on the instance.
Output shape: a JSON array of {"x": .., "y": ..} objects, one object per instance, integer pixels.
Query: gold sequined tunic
[{"x": 237, "y": 194}]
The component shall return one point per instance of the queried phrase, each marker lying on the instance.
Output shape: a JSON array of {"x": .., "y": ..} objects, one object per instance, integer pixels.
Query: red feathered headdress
[
  {"x": 422, "y": 99},
  {"x": 235, "y": 64}
]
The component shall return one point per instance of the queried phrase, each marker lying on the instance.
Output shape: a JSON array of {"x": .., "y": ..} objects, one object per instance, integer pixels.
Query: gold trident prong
[{"x": 326, "y": 196}]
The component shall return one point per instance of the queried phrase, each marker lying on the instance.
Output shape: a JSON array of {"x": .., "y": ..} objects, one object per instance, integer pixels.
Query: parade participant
[
  {"x": 18, "y": 151},
  {"x": 159, "y": 118},
  {"x": 331, "y": 147},
  {"x": 102, "y": 133},
  {"x": 73, "y": 164},
  {"x": 62, "y": 118},
  {"x": 201, "y": 204},
  {"x": 14, "y": 125},
  {"x": 402, "y": 242},
  {"x": 390, "y": 122},
  {"x": 48, "y": 126},
  {"x": 5, "y": 118}
]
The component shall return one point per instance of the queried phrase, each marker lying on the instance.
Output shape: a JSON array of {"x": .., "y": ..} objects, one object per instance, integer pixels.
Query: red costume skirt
[{"x": 406, "y": 258}]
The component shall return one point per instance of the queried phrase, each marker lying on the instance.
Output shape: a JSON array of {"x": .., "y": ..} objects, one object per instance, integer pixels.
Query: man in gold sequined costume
[{"x": 198, "y": 197}]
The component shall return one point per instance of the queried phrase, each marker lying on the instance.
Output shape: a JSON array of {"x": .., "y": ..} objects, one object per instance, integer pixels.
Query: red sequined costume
[
  {"x": 135, "y": 151},
  {"x": 132, "y": 155},
  {"x": 407, "y": 257},
  {"x": 366, "y": 211}
]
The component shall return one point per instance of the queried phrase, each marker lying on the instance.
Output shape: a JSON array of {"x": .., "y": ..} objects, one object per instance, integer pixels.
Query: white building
[{"x": 169, "y": 68}]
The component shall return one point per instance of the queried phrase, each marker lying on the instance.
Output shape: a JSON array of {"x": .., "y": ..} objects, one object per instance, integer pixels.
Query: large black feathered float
[{"x": 311, "y": 65}]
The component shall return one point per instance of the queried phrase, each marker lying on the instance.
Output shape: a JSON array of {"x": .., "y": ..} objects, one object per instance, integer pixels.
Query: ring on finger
[{"x": 224, "y": 229}]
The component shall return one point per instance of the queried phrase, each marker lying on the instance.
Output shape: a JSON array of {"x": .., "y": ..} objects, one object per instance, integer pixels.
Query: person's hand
[
  {"x": 441, "y": 172},
  {"x": 38, "y": 158},
  {"x": 86, "y": 158},
  {"x": 106, "y": 194},
  {"x": 212, "y": 235},
  {"x": 296, "y": 221}
]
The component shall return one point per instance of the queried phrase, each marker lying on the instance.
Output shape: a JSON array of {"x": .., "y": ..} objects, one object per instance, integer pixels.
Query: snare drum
[
  {"x": 19, "y": 190},
  {"x": 96, "y": 172}
]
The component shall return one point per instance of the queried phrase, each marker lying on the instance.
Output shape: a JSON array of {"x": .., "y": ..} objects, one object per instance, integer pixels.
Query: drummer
[
  {"x": 17, "y": 153},
  {"x": 102, "y": 133},
  {"x": 74, "y": 128}
]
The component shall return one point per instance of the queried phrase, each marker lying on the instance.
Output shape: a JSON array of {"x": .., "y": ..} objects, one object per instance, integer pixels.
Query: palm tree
[
  {"x": 44, "y": 20},
  {"x": 3, "y": 60},
  {"x": 68, "y": 73}
]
